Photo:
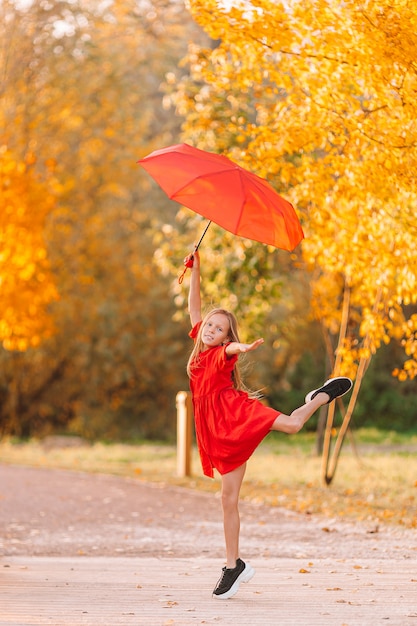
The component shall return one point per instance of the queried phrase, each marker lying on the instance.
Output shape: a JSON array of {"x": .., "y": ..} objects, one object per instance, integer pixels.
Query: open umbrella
[{"x": 229, "y": 195}]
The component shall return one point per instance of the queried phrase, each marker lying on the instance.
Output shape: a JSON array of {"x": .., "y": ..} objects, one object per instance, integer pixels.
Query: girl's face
[{"x": 215, "y": 331}]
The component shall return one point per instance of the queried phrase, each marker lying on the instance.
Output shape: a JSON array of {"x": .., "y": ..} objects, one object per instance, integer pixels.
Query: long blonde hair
[{"x": 233, "y": 335}]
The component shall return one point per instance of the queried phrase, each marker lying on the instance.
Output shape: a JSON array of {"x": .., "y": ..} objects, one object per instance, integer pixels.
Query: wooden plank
[{"x": 124, "y": 591}]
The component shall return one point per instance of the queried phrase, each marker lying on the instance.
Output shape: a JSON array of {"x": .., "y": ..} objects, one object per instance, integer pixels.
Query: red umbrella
[{"x": 225, "y": 193}]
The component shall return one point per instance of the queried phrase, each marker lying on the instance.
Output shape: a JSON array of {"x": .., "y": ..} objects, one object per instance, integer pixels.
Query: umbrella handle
[{"x": 189, "y": 260}]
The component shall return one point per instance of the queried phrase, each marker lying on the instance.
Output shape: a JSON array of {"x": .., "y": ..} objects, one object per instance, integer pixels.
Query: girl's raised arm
[{"x": 194, "y": 297}]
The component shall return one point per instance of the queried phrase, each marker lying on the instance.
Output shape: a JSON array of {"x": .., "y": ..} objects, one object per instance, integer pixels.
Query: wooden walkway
[{"x": 146, "y": 591}]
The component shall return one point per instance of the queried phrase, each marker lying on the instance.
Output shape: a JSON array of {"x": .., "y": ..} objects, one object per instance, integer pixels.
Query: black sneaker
[
  {"x": 230, "y": 580},
  {"x": 334, "y": 387}
]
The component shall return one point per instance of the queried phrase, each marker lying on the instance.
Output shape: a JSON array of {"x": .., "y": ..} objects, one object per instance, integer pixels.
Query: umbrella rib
[
  {"x": 202, "y": 177},
  {"x": 243, "y": 187}
]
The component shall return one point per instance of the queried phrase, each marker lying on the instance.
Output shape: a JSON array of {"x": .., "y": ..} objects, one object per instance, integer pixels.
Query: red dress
[{"x": 229, "y": 425}]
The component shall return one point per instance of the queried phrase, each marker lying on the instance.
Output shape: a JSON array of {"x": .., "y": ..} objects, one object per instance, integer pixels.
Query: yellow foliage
[
  {"x": 26, "y": 286},
  {"x": 319, "y": 97}
]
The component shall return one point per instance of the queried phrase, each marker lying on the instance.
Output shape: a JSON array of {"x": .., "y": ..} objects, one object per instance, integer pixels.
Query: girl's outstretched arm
[
  {"x": 194, "y": 297},
  {"x": 235, "y": 348}
]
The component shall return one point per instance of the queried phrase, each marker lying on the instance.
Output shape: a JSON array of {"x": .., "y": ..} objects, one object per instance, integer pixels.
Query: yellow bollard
[{"x": 184, "y": 433}]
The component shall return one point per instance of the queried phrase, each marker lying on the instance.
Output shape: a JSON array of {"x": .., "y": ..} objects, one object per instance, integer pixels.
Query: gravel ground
[{"x": 45, "y": 512}]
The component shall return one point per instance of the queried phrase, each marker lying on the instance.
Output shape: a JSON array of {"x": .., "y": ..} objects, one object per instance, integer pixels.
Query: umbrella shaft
[{"x": 201, "y": 238}]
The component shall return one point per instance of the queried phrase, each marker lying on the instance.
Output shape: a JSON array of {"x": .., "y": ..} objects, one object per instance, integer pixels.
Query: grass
[{"x": 375, "y": 481}]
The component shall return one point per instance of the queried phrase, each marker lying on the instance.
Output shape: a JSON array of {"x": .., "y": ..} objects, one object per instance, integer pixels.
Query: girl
[{"x": 229, "y": 423}]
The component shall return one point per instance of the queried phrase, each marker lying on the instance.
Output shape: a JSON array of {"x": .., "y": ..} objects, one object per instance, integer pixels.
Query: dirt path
[{"x": 47, "y": 512}]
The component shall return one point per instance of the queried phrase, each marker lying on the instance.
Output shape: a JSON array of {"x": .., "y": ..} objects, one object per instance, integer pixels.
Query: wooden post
[{"x": 184, "y": 433}]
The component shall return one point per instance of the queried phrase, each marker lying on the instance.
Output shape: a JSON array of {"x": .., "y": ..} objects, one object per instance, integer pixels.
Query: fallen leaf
[{"x": 171, "y": 603}]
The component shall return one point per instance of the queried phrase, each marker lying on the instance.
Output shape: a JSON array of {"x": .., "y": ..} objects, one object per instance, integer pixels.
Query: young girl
[{"x": 229, "y": 423}]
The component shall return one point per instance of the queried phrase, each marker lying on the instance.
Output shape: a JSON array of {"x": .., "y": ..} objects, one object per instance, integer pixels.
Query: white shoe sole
[{"x": 247, "y": 574}]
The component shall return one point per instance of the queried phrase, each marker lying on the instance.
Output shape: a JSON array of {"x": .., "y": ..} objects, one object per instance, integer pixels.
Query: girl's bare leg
[
  {"x": 231, "y": 483},
  {"x": 293, "y": 423}
]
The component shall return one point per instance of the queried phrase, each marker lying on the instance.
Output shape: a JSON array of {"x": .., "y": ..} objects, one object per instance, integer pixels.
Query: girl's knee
[
  {"x": 296, "y": 426},
  {"x": 229, "y": 499},
  {"x": 289, "y": 424}
]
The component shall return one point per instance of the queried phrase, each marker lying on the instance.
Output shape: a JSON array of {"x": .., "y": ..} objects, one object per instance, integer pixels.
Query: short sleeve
[
  {"x": 194, "y": 331},
  {"x": 225, "y": 361}
]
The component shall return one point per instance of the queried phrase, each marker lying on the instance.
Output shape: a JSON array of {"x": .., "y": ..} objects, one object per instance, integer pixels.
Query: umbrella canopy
[{"x": 217, "y": 188}]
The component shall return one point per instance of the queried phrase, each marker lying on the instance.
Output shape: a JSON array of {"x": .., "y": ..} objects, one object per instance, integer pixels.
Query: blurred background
[{"x": 93, "y": 322}]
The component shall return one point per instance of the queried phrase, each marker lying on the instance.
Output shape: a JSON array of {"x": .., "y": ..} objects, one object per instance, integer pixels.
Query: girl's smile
[{"x": 215, "y": 331}]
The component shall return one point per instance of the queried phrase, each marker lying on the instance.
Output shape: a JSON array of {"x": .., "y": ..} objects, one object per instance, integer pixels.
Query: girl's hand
[
  {"x": 235, "y": 348},
  {"x": 192, "y": 260}
]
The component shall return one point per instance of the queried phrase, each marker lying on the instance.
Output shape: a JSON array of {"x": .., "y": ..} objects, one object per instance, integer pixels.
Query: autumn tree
[
  {"x": 83, "y": 97},
  {"x": 26, "y": 283},
  {"x": 319, "y": 97},
  {"x": 26, "y": 199}
]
